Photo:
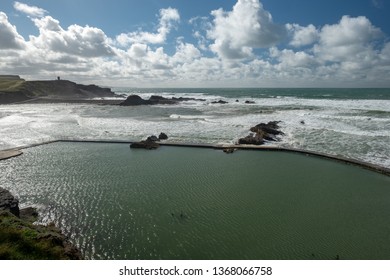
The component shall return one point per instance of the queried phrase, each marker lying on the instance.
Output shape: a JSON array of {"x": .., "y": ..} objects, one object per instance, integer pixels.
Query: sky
[{"x": 192, "y": 43}]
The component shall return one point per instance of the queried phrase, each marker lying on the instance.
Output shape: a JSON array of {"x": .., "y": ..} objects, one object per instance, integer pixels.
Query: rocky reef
[
  {"x": 136, "y": 100},
  {"x": 23, "y": 240},
  {"x": 261, "y": 133}
]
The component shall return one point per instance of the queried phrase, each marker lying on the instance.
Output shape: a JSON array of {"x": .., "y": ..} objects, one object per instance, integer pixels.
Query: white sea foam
[{"x": 358, "y": 129}]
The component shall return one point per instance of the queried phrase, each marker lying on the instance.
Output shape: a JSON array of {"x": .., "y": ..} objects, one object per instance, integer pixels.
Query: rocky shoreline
[{"x": 21, "y": 239}]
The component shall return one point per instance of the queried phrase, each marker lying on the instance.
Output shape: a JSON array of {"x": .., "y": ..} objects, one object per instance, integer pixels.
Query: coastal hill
[{"x": 14, "y": 89}]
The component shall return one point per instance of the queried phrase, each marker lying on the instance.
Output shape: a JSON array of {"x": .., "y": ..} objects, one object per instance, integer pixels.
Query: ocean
[
  {"x": 354, "y": 123},
  {"x": 186, "y": 203}
]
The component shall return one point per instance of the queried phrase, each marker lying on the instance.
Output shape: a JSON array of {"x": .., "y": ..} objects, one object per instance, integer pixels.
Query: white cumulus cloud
[
  {"x": 29, "y": 10},
  {"x": 247, "y": 26},
  {"x": 9, "y": 36},
  {"x": 351, "y": 38},
  {"x": 76, "y": 40},
  {"x": 302, "y": 36},
  {"x": 167, "y": 19}
]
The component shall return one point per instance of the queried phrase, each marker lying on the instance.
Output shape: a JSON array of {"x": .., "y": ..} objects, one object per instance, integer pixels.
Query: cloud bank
[{"x": 239, "y": 47}]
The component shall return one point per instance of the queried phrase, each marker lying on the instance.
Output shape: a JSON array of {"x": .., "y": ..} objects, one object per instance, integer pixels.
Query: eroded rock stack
[{"x": 261, "y": 133}]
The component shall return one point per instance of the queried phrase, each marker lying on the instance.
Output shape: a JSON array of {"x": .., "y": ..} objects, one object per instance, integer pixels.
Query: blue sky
[{"x": 174, "y": 43}]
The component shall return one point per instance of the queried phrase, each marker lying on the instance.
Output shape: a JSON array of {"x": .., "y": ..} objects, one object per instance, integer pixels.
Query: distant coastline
[{"x": 14, "y": 89}]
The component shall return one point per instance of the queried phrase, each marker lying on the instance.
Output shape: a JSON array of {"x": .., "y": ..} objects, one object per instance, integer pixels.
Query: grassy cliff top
[
  {"x": 10, "y": 83},
  {"x": 22, "y": 240},
  {"x": 15, "y": 89}
]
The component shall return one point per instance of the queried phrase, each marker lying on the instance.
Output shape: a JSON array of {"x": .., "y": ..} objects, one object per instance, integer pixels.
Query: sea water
[
  {"x": 192, "y": 203},
  {"x": 353, "y": 123}
]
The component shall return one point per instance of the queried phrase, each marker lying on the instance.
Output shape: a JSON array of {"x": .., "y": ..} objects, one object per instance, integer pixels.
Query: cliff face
[
  {"x": 8, "y": 202},
  {"x": 63, "y": 89},
  {"x": 13, "y": 89}
]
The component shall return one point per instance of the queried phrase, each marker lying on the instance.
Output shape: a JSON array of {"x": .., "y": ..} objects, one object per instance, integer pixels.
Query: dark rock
[
  {"x": 29, "y": 214},
  {"x": 269, "y": 128},
  {"x": 146, "y": 144},
  {"x": 8, "y": 202},
  {"x": 157, "y": 99},
  {"x": 135, "y": 100},
  {"x": 251, "y": 140},
  {"x": 302, "y": 122},
  {"x": 262, "y": 132},
  {"x": 229, "y": 150},
  {"x": 187, "y": 99},
  {"x": 249, "y": 102},
  {"x": 237, "y": 100},
  {"x": 219, "y": 102},
  {"x": 152, "y": 138},
  {"x": 163, "y": 136}
]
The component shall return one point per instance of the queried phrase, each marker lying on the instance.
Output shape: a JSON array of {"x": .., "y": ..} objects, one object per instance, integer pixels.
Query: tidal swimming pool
[{"x": 192, "y": 203}]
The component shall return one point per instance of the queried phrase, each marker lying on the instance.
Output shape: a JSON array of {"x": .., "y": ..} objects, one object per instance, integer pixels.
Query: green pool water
[{"x": 192, "y": 203}]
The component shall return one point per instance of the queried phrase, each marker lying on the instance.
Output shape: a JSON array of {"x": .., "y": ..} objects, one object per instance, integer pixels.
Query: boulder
[
  {"x": 219, "y": 102},
  {"x": 163, "y": 136},
  {"x": 29, "y": 214},
  {"x": 134, "y": 100},
  {"x": 152, "y": 138},
  {"x": 251, "y": 139},
  {"x": 157, "y": 99},
  {"x": 229, "y": 150},
  {"x": 270, "y": 128},
  {"x": 262, "y": 132},
  {"x": 187, "y": 99},
  {"x": 146, "y": 144},
  {"x": 8, "y": 202}
]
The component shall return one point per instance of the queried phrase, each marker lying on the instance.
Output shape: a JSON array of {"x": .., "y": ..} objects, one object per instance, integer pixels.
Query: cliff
[{"x": 14, "y": 89}]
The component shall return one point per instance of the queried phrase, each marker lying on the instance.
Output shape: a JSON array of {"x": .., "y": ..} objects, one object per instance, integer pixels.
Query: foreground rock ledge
[{"x": 20, "y": 239}]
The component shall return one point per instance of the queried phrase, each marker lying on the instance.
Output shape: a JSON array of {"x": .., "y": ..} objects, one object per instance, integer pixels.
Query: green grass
[
  {"x": 21, "y": 240},
  {"x": 11, "y": 85}
]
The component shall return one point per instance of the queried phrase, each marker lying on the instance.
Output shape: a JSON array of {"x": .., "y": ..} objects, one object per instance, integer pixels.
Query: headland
[{"x": 14, "y": 89}]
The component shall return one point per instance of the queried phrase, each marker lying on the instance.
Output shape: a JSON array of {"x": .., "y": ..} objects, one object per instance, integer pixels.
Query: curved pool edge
[
  {"x": 6, "y": 154},
  {"x": 9, "y": 153}
]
